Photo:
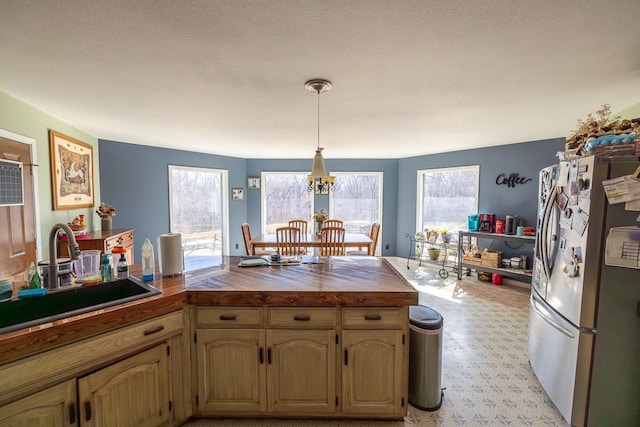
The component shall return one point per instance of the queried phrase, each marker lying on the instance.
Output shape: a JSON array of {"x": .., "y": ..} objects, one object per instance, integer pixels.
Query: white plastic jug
[{"x": 148, "y": 262}]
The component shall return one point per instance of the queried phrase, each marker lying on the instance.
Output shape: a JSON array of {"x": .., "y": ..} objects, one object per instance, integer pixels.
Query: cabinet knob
[
  {"x": 372, "y": 317},
  {"x": 302, "y": 318},
  {"x": 227, "y": 317}
]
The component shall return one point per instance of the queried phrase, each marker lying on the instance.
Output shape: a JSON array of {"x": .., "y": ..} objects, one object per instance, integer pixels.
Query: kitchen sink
[{"x": 26, "y": 312}]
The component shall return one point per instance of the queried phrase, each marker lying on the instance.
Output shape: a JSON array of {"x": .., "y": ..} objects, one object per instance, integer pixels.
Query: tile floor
[{"x": 485, "y": 372}]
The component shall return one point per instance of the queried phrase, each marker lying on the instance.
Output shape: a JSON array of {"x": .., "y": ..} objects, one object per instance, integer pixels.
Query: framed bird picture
[{"x": 71, "y": 172}]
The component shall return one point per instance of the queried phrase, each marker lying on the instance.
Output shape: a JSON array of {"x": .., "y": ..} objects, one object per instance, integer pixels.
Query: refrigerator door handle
[
  {"x": 548, "y": 317},
  {"x": 555, "y": 234},
  {"x": 544, "y": 232}
]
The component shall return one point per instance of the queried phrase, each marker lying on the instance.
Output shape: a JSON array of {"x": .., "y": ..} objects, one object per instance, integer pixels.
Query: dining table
[{"x": 351, "y": 240}]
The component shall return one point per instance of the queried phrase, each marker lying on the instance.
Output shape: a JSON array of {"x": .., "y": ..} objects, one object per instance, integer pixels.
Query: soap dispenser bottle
[
  {"x": 105, "y": 268},
  {"x": 148, "y": 263},
  {"x": 123, "y": 267}
]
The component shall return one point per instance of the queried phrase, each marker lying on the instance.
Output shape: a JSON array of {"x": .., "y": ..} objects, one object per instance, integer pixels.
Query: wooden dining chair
[
  {"x": 246, "y": 237},
  {"x": 333, "y": 223},
  {"x": 332, "y": 241},
  {"x": 300, "y": 224},
  {"x": 374, "y": 232},
  {"x": 373, "y": 235},
  {"x": 288, "y": 239}
]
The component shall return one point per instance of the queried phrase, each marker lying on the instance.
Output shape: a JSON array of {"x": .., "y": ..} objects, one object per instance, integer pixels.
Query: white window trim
[
  {"x": 225, "y": 200},
  {"x": 420, "y": 188}
]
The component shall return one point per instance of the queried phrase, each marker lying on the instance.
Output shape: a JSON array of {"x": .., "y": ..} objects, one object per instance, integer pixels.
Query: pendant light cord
[{"x": 318, "y": 119}]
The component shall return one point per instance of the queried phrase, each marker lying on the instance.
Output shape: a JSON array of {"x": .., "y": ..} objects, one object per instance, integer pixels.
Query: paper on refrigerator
[
  {"x": 622, "y": 189},
  {"x": 623, "y": 247}
]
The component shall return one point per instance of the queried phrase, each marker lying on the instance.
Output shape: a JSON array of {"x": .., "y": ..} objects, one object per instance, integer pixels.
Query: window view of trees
[
  {"x": 357, "y": 200},
  {"x": 285, "y": 198},
  {"x": 196, "y": 211},
  {"x": 448, "y": 197}
]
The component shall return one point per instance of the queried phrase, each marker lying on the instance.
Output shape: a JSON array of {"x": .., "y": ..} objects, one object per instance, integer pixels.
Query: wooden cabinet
[
  {"x": 290, "y": 361},
  {"x": 375, "y": 360},
  {"x": 130, "y": 376},
  {"x": 301, "y": 367},
  {"x": 231, "y": 375},
  {"x": 104, "y": 241},
  {"x": 286, "y": 371},
  {"x": 133, "y": 392},
  {"x": 53, "y": 407},
  {"x": 372, "y": 372}
]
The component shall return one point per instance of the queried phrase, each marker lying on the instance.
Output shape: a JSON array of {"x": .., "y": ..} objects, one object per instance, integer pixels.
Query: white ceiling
[{"x": 410, "y": 77}]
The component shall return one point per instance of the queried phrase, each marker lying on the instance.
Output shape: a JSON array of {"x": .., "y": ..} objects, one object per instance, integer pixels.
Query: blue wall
[
  {"x": 526, "y": 159},
  {"x": 134, "y": 179}
]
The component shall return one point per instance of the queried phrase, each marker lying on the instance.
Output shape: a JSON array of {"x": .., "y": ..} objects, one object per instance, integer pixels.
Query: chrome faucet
[{"x": 74, "y": 251}]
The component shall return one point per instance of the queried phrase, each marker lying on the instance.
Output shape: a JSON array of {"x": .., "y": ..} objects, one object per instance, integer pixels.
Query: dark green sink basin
[{"x": 27, "y": 312}]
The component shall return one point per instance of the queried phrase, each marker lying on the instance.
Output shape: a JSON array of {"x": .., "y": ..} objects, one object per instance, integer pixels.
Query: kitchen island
[{"x": 310, "y": 340}]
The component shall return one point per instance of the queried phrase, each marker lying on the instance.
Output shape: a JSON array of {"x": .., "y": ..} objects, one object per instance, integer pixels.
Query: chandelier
[{"x": 319, "y": 180}]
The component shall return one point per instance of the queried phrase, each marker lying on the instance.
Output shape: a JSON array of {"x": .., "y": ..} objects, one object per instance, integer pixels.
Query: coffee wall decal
[{"x": 512, "y": 180}]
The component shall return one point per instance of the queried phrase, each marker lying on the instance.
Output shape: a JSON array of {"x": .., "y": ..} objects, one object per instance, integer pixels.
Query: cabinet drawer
[
  {"x": 232, "y": 317},
  {"x": 374, "y": 318},
  {"x": 124, "y": 239},
  {"x": 301, "y": 317}
]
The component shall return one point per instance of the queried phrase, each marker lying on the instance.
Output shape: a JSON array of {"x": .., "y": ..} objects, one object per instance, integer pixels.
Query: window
[
  {"x": 198, "y": 210},
  {"x": 284, "y": 197},
  {"x": 446, "y": 197},
  {"x": 357, "y": 200}
]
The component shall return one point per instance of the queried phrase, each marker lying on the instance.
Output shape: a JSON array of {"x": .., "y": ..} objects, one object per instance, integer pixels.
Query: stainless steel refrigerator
[{"x": 584, "y": 322}]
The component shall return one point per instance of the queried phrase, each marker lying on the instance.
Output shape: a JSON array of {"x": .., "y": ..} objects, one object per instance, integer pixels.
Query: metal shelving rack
[
  {"x": 514, "y": 273},
  {"x": 446, "y": 260}
]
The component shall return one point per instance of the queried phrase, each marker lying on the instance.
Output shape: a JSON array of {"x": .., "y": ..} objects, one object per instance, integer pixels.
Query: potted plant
[
  {"x": 106, "y": 212},
  {"x": 434, "y": 253},
  {"x": 446, "y": 235}
]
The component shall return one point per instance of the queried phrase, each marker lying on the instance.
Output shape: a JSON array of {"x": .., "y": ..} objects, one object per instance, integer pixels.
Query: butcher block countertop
[{"x": 345, "y": 281}]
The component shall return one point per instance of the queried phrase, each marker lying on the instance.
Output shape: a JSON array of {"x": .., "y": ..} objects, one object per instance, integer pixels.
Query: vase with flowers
[
  {"x": 431, "y": 234},
  {"x": 319, "y": 217},
  {"x": 106, "y": 212}
]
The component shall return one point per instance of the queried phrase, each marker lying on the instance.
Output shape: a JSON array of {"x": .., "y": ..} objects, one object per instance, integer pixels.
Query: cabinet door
[
  {"x": 133, "y": 392},
  {"x": 301, "y": 371},
  {"x": 53, "y": 407},
  {"x": 231, "y": 370},
  {"x": 372, "y": 380}
]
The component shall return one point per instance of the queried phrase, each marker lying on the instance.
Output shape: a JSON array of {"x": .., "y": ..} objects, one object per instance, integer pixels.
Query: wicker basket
[
  {"x": 484, "y": 276},
  {"x": 75, "y": 227}
]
